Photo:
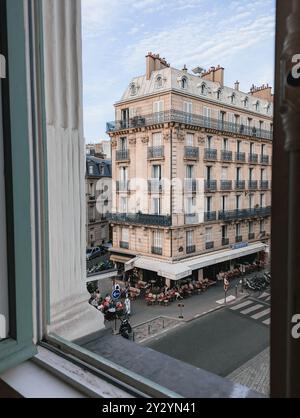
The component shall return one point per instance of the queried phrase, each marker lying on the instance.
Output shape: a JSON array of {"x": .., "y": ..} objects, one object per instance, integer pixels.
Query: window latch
[{"x": 2, "y": 66}]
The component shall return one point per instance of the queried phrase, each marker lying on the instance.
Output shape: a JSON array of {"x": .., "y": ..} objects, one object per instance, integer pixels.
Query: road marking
[
  {"x": 251, "y": 309},
  {"x": 261, "y": 314},
  {"x": 268, "y": 298},
  {"x": 228, "y": 299},
  {"x": 264, "y": 294},
  {"x": 267, "y": 321},
  {"x": 241, "y": 305}
]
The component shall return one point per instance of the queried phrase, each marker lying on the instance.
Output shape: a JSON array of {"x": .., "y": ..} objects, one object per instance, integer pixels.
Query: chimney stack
[
  {"x": 154, "y": 63},
  {"x": 215, "y": 74},
  {"x": 237, "y": 86},
  {"x": 263, "y": 92}
]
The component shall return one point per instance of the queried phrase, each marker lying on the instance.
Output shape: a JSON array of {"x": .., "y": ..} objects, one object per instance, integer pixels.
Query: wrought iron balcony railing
[
  {"x": 190, "y": 119},
  {"x": 190, "y": 185},
  {"x": 230, "y": 215},
  {"x": 155, "y": 186},
  {"x": 191, "y": 153},
  {"x": 210, "y": 216},
  {"x": 252, "y": 185},
  {"x": 264, "y": 184},
  {"x": 240, "y": 157},
  {"x": 225, "y": 241},
  {"x": 240, "y": 185},
  {"x": 156, "y": 250},
  {"x": 209, "y": 245},
  {"x": 191, "y": 219},
  {"x": 190, "y": 249},
  {"x": 226, "y": 155},
  {"x": 238, "y": 238},
  {"x": 264, "y": 159},
  {"x": 210, "y": 185},
  {"x": 122, "y": 155},
  {"x": 210, "y": 154},
  {"x": 226, "y": 185},
  {"x": 124, "y": 245},
  {"x": 253, "y": 158},
  {"x": 156, "y": 152},
  {"x": 140, "y": 218}
]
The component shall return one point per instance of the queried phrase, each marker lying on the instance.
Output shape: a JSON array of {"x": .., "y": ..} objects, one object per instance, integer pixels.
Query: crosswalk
[{"x": 257, "y": 309}]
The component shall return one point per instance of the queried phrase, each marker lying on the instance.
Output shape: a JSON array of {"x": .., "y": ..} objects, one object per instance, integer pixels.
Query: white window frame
[
  {"x": 189, "y": 140},
  {"x": 208, "y": 235}
]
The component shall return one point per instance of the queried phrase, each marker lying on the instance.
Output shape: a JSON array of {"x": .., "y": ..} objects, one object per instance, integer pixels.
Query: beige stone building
[
  {"x": 191, "y": 170},
  {"x": 98, "y": 200}
]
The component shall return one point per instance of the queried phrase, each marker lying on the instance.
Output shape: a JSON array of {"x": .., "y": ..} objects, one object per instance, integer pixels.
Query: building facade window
[
  {"x": 158, "y": 82},
  {"x": 208, "y": 236},
  {"x": 184, "y": 83},
  {"x": 189, "y": 140},
  {"x": 156, "y": 206},
  {"x": 157, "y": 241},
  {"x": 157, "y": 139},
  {"x": 91, "y": 170}
]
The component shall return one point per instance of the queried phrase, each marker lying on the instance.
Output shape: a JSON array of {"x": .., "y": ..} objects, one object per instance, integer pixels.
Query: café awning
[{"x": 181, "y": 269}]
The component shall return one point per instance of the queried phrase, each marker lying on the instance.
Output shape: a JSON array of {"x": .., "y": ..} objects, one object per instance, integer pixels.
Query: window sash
[
  {"x": 157, "y": 239},
  {"x": 157, "y": 139},
  {"x": 208, "y": 235},
  {"x": 125, "y": 234},
  {"x": 189, "y": 238},
  {"x": 189, "y": 140}
]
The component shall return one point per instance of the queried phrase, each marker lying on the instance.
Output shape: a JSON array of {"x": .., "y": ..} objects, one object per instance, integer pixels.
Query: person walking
[{"x": 127, "y": 306}]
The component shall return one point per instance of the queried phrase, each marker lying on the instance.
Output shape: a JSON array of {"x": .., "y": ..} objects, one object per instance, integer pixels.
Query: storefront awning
[
  {"x": 120, "y": 258},
  {"x": 182, "y": 269}
]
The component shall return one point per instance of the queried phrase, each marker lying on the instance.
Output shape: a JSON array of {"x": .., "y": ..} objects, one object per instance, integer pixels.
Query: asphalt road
[{"x": 219, "y": 342}]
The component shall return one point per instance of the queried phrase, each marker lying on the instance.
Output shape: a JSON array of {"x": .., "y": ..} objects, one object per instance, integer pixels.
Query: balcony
[
  {"x": 122, "y": 155},
  {"x": 155, "y": 186},
  {"x": 140, "y": 218},
  {"x": 226, "y": 185},
  {"x": 191, "y": 153},
  {"x": 190, "y": 119},
  {"x": 209, "y": 245},
  {"x": 124, "y": 245},
  {"x": 190, "y": 185},
  {"x": 226, "y": 155},
  {"x": 253, "y": 158},
  {"x": 251, "y": 235},
  {"x": 240, "y": 157},
  {"x": 155, "y": 152},
  {"x": 238, "y": 238},
  {"x": 210, "y": 186},
  {"x": 92, "y": 221},
  {"x": 231, "y": 215},
  {"x": 264, "y": 184},
  {"x": 190, "y": 249},
  {"x": 210, "y": 154},
  {"x": 122, "y": 186},
  {"x": 210, "y": 216},
  {"x": 252, "y": 184},
  {"x": 156, "y": 250},
  {"x": 264, "y": 159},
  {"x": 191, "y": 219},
  {"x": 240, "y": 185},
  {"x": 225, "y": 241}
]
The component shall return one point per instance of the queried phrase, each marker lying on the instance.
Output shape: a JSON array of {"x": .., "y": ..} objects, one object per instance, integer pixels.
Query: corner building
[{"x": 191, "y": 170}]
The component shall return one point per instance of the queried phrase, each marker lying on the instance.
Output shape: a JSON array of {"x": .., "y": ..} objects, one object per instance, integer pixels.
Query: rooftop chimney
[
  {"x": 263, "y": 92},
  {"x": 215, "y": 74},
  {"x": 154, "y": 63},
  {"x": 237, "y": 85}
]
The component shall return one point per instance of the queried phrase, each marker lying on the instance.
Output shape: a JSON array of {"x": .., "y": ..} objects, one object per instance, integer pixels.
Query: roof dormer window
[
  {"x": 203, "y": 89},
  {"x": 233, "y": 99},
  {"x": 219, "y": 94},
  {"x": 184, "y": 83},
  {"x": 257, "y": 106},
  {"x": 246, "y": 102},
  {"x": 133, "y": 89},
  {"x": 159, "y": 82}
]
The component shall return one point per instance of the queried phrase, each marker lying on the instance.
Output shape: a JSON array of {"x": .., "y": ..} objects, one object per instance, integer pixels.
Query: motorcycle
[{"x": 125, "y": 329}]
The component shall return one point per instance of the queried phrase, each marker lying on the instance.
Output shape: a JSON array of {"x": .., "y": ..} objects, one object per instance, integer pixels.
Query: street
[{"x": 219, "y": 342}]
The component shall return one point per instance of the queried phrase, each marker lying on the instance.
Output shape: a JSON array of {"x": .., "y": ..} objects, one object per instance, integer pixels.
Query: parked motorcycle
[{"x": 125, "y": 329}]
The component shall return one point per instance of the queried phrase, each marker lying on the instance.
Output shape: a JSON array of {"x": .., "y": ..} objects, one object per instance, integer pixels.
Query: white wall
[{"x": 3, "y": 253}]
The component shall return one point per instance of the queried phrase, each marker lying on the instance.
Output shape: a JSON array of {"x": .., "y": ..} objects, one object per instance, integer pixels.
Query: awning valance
[{"x": 181, "y": 269}]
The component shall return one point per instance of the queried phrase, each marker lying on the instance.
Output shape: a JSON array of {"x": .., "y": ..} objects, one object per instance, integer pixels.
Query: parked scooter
[{"x": 125, "y": 329}]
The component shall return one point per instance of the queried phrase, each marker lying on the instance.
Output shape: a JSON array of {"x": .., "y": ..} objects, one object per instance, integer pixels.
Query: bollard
[
  {"x": 133, "y": 337},
  {"x": 149, "y": 329},
  {"x": 163, "y": 324},
  {"x": 236, "y": 290}
]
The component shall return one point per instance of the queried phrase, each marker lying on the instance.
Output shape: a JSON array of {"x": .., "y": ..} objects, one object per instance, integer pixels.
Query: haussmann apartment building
[{"x": 191, "y": 171}]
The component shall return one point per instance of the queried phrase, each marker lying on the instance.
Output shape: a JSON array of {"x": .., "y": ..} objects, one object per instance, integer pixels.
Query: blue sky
[{"x": 117, "y": 34}]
